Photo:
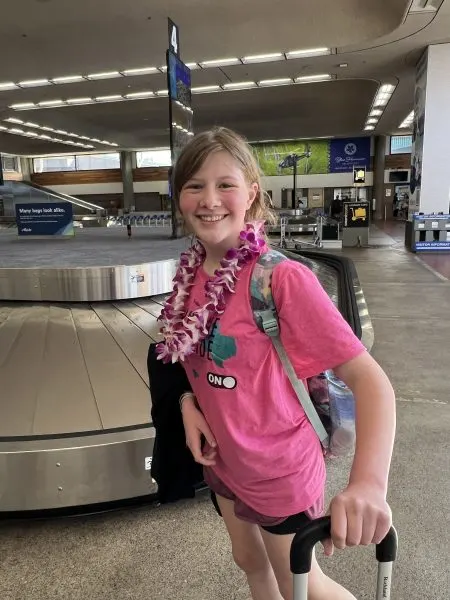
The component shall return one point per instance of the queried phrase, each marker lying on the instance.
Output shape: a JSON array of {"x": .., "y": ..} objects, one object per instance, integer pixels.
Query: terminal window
[{"x": 401, "y": 144}]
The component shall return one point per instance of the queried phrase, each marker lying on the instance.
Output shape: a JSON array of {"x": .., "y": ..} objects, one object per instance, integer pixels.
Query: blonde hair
[{"x": 222, "y": 139}]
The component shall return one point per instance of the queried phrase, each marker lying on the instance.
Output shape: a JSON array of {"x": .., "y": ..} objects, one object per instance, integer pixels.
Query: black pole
[{"x": 294, "y": 191}]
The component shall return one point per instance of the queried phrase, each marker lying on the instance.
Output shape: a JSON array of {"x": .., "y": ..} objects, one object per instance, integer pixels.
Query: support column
[
  {"x": 430, "y": 174},
  {"x": 126, "y": 165},
  {"x": 378, "y": 176}
]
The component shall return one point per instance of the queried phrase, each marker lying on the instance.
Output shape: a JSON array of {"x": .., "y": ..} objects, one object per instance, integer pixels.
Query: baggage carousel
[{"x": 75, "y": 427}]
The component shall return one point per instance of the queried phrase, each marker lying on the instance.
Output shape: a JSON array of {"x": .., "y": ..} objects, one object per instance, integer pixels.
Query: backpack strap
[{"x": 266, "y": 318}]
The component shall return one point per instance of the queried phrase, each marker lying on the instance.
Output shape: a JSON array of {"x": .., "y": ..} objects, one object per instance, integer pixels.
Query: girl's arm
[{"x": 361, "y": 514}]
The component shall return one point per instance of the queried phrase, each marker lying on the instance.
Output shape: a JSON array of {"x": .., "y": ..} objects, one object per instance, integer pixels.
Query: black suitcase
[{"x": 319, "y": 530}]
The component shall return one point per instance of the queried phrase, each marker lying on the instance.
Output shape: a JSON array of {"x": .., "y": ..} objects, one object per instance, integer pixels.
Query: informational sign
[
  {"x": 356, "y": 214},
  {"x": 359, "y": 176},
  {"x": 349, "y": 154},
  {"x": 174, "y": 38},
  {"x": 418, "y": 246},
  {"x": 46, "y": 219}
]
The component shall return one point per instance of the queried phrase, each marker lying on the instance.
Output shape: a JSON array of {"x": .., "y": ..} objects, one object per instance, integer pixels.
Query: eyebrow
[{"x": 198, "y": 179}]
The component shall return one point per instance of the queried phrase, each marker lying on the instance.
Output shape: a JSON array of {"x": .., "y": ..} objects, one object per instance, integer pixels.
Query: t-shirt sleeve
[{"x": 314, "y": 333}]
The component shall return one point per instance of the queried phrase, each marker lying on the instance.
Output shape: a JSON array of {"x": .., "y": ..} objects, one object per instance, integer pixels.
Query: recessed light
[
  {"x": 162, "y": 93},
  {"x": 376, "y": 113},
  {"x": 14, "y": 120},
  {"x": 205, "y": 88},
  {"x": 239, "y": 85},
  {"x": 306, "y": 78},
  {"x": 163, "y": 69},
  {"x": 276, "y": 81},
  {"x": 108, "y": 98},
  {"x": 86, "y": 100},
  {"x": 221, "y": 62},
  {"x": 141, "y": 71},
  {"x": 22, "y": 105},
  {"x": 343, "y": 65},
  {"x": 259, "y": 58},
  {"x": 104, "y": 75},
  {"x": 51, "y": 103},
  {"x": 308, "y": 53},
  {"x": 34, "y": 82},
  {"x": 8, "y": 85},
  {"x": 16, "y": 130},
  {"x": 45, "y": 128},
  {"x": 192, "y": 66},
  {"x": 68, "y": 79},
  {"x": 372, "y": 121},
  {"x": 369, "y": 128},
  {"x": 30, "y": 124},
  {"x": 140, "y": 95}
]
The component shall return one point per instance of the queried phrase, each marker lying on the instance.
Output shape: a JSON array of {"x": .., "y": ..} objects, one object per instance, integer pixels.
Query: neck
[{"x": 215, "y": 253}]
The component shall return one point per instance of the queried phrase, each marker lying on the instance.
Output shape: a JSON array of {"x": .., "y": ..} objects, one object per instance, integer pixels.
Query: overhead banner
[
  {"x": 46, "y": 219},
  {"x": 349, "y": 154},
  {"x": 317, "y": 157}
]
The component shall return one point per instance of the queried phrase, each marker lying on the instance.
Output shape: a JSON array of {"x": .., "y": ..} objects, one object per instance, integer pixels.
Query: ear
[{"x": 252, "y": 193}]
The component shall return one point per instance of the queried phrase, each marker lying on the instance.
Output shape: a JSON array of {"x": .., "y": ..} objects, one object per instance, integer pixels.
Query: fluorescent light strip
[
  {"x": 56, "y": 131},
  {"x": 221, "y": 62},
  {"x": 141, "y": 71},
  {"x": 241, "y": 85},
  {"x": 86, "y": 100},
  {"x": 108, "y": 98},
  {"x": 8, "y": 86},
  {"x": 382, "y": 97},
  {"x": 308, "y": 53},
  {"x": 33, "y": 83},
  {"x": 51, "y": 103},
  {"x": 260, "y": 58},
  {"x": 105, "y": 75},
  {"x": 313, "y": 78},
  {"x": 68, "y": 79},
  {"x": 136, "y": 95},
  {"x": 408, "y": 121},
  {"x": 275, "y": 82},
  {"x": 205, "y": 88}
]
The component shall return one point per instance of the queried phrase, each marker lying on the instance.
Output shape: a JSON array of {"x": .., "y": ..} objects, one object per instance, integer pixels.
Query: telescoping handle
[{"x": 320, "y": 530}]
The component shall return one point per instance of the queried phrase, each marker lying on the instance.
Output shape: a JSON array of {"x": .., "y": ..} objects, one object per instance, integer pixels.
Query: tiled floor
[{"x": 181, "y": 552}]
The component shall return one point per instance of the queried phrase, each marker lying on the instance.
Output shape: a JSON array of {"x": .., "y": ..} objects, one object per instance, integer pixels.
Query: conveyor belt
[{"x": 74, "y": 368}]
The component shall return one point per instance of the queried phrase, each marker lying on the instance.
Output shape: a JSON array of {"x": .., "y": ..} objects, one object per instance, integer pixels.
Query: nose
[{"x": 210, "y": 197}]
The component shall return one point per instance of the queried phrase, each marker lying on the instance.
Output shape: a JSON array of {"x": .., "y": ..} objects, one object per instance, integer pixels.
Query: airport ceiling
[{"x": 370, "y": 44}]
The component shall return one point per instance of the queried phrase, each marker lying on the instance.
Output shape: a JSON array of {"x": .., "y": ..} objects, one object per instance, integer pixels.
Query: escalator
[
  {"x": 86, "y": 370},
  {"x": 17, "y": 192}
]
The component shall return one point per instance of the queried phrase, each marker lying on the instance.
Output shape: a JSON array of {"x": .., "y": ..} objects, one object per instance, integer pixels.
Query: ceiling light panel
[
  {"x": 221, "y": 62},
  {"x": 408, "y": 121},
  {"x": 104, "y": 75},
  {"x": 7, "y": 85},
  {"x": 136, "y": 95},
  {"x": 313, "y": 78},
  {"x": 33, "y": 83},
  {"x": 261, "y": 58},
  {"x": 202, "y": 89},
  {"x": 275, "y": 82},
  {"x": 141, "y": 71},
  {"x": 68, "y": 79},
  {"x": 239, "y": 85},
  {"x": 307, "y": 53},
  {"x": 19, "y": 130}
]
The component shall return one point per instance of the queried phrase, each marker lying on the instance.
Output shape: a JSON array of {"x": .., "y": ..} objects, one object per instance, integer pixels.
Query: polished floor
[{"x": 181, "y": 551}]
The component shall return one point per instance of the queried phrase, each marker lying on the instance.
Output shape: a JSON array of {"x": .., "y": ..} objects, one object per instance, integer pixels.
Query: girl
[{"x": 262, "y": 459}]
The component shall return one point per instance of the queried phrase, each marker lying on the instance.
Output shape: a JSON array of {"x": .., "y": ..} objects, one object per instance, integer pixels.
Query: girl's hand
[
  {"x": 195, "y": 426},
  {"x": 360, "y": 516}
]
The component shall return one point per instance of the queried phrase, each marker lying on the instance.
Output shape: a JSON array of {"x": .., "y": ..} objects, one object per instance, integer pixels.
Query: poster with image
[
  {"x": 314, "y": 157},
  {"x": 418, "y": 135}
]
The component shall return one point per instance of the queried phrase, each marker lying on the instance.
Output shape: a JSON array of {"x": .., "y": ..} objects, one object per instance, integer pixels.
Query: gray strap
[{"x": 270, "y": 326}]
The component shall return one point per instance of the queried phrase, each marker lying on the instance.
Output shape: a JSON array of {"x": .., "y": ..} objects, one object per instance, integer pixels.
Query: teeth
[{"x": 215, "y": 218}]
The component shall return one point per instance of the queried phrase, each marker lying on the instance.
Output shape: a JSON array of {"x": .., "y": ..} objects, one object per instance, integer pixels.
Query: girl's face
[{"x": 214, "y": 201}]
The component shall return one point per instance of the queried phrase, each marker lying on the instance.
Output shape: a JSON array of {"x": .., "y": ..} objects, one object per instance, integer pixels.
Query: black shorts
[{"x": 289, "y": 526}]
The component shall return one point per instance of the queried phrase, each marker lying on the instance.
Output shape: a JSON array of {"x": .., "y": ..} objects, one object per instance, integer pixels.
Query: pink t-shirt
[{"x": 267, "y": 452}]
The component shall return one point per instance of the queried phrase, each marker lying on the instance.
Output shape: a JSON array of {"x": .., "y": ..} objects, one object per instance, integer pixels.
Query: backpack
[{"x": 328, "y": 403}]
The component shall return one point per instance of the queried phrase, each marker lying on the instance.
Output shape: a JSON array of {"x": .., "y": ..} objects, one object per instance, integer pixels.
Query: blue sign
[
  {"x": 432, "y": 246},
  {"x": 348, "y": 154},
  {"x": 45, "y": 219}
]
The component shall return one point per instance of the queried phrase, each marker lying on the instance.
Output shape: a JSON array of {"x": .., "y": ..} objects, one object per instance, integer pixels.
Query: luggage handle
[{"x": 320, "y": 530}]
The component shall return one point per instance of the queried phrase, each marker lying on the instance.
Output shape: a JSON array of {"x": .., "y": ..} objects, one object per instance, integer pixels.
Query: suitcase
[{"x": 319, "y": 530}]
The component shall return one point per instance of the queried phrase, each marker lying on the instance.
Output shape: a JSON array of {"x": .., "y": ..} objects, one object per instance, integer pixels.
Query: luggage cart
[{"x": 320, "y": 530}]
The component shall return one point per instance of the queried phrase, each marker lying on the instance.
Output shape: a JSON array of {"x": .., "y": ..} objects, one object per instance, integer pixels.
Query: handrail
[{"x": 59, "y": 195}]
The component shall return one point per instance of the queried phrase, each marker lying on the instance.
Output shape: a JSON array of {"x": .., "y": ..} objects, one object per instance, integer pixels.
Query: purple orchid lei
[{"x": 182, "y": 331}]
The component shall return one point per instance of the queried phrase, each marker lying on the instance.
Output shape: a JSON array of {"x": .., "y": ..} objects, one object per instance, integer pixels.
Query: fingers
[
  {"x": 338, "y": 523},
  {"x": 194, "y": 445},
  {"x": 328, "y": 547}
]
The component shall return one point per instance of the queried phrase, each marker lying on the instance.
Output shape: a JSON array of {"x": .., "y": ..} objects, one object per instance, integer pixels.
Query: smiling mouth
[{"x": 211, "y": 218}]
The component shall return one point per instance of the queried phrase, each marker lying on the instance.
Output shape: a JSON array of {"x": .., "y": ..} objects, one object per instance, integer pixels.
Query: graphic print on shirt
[{"x": 218, "y": 349}]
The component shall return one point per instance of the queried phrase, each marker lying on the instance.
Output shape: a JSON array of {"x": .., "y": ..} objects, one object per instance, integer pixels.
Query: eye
[
  {"x": 192, "y": 186},
  {"x": 226, "y": 185}
]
